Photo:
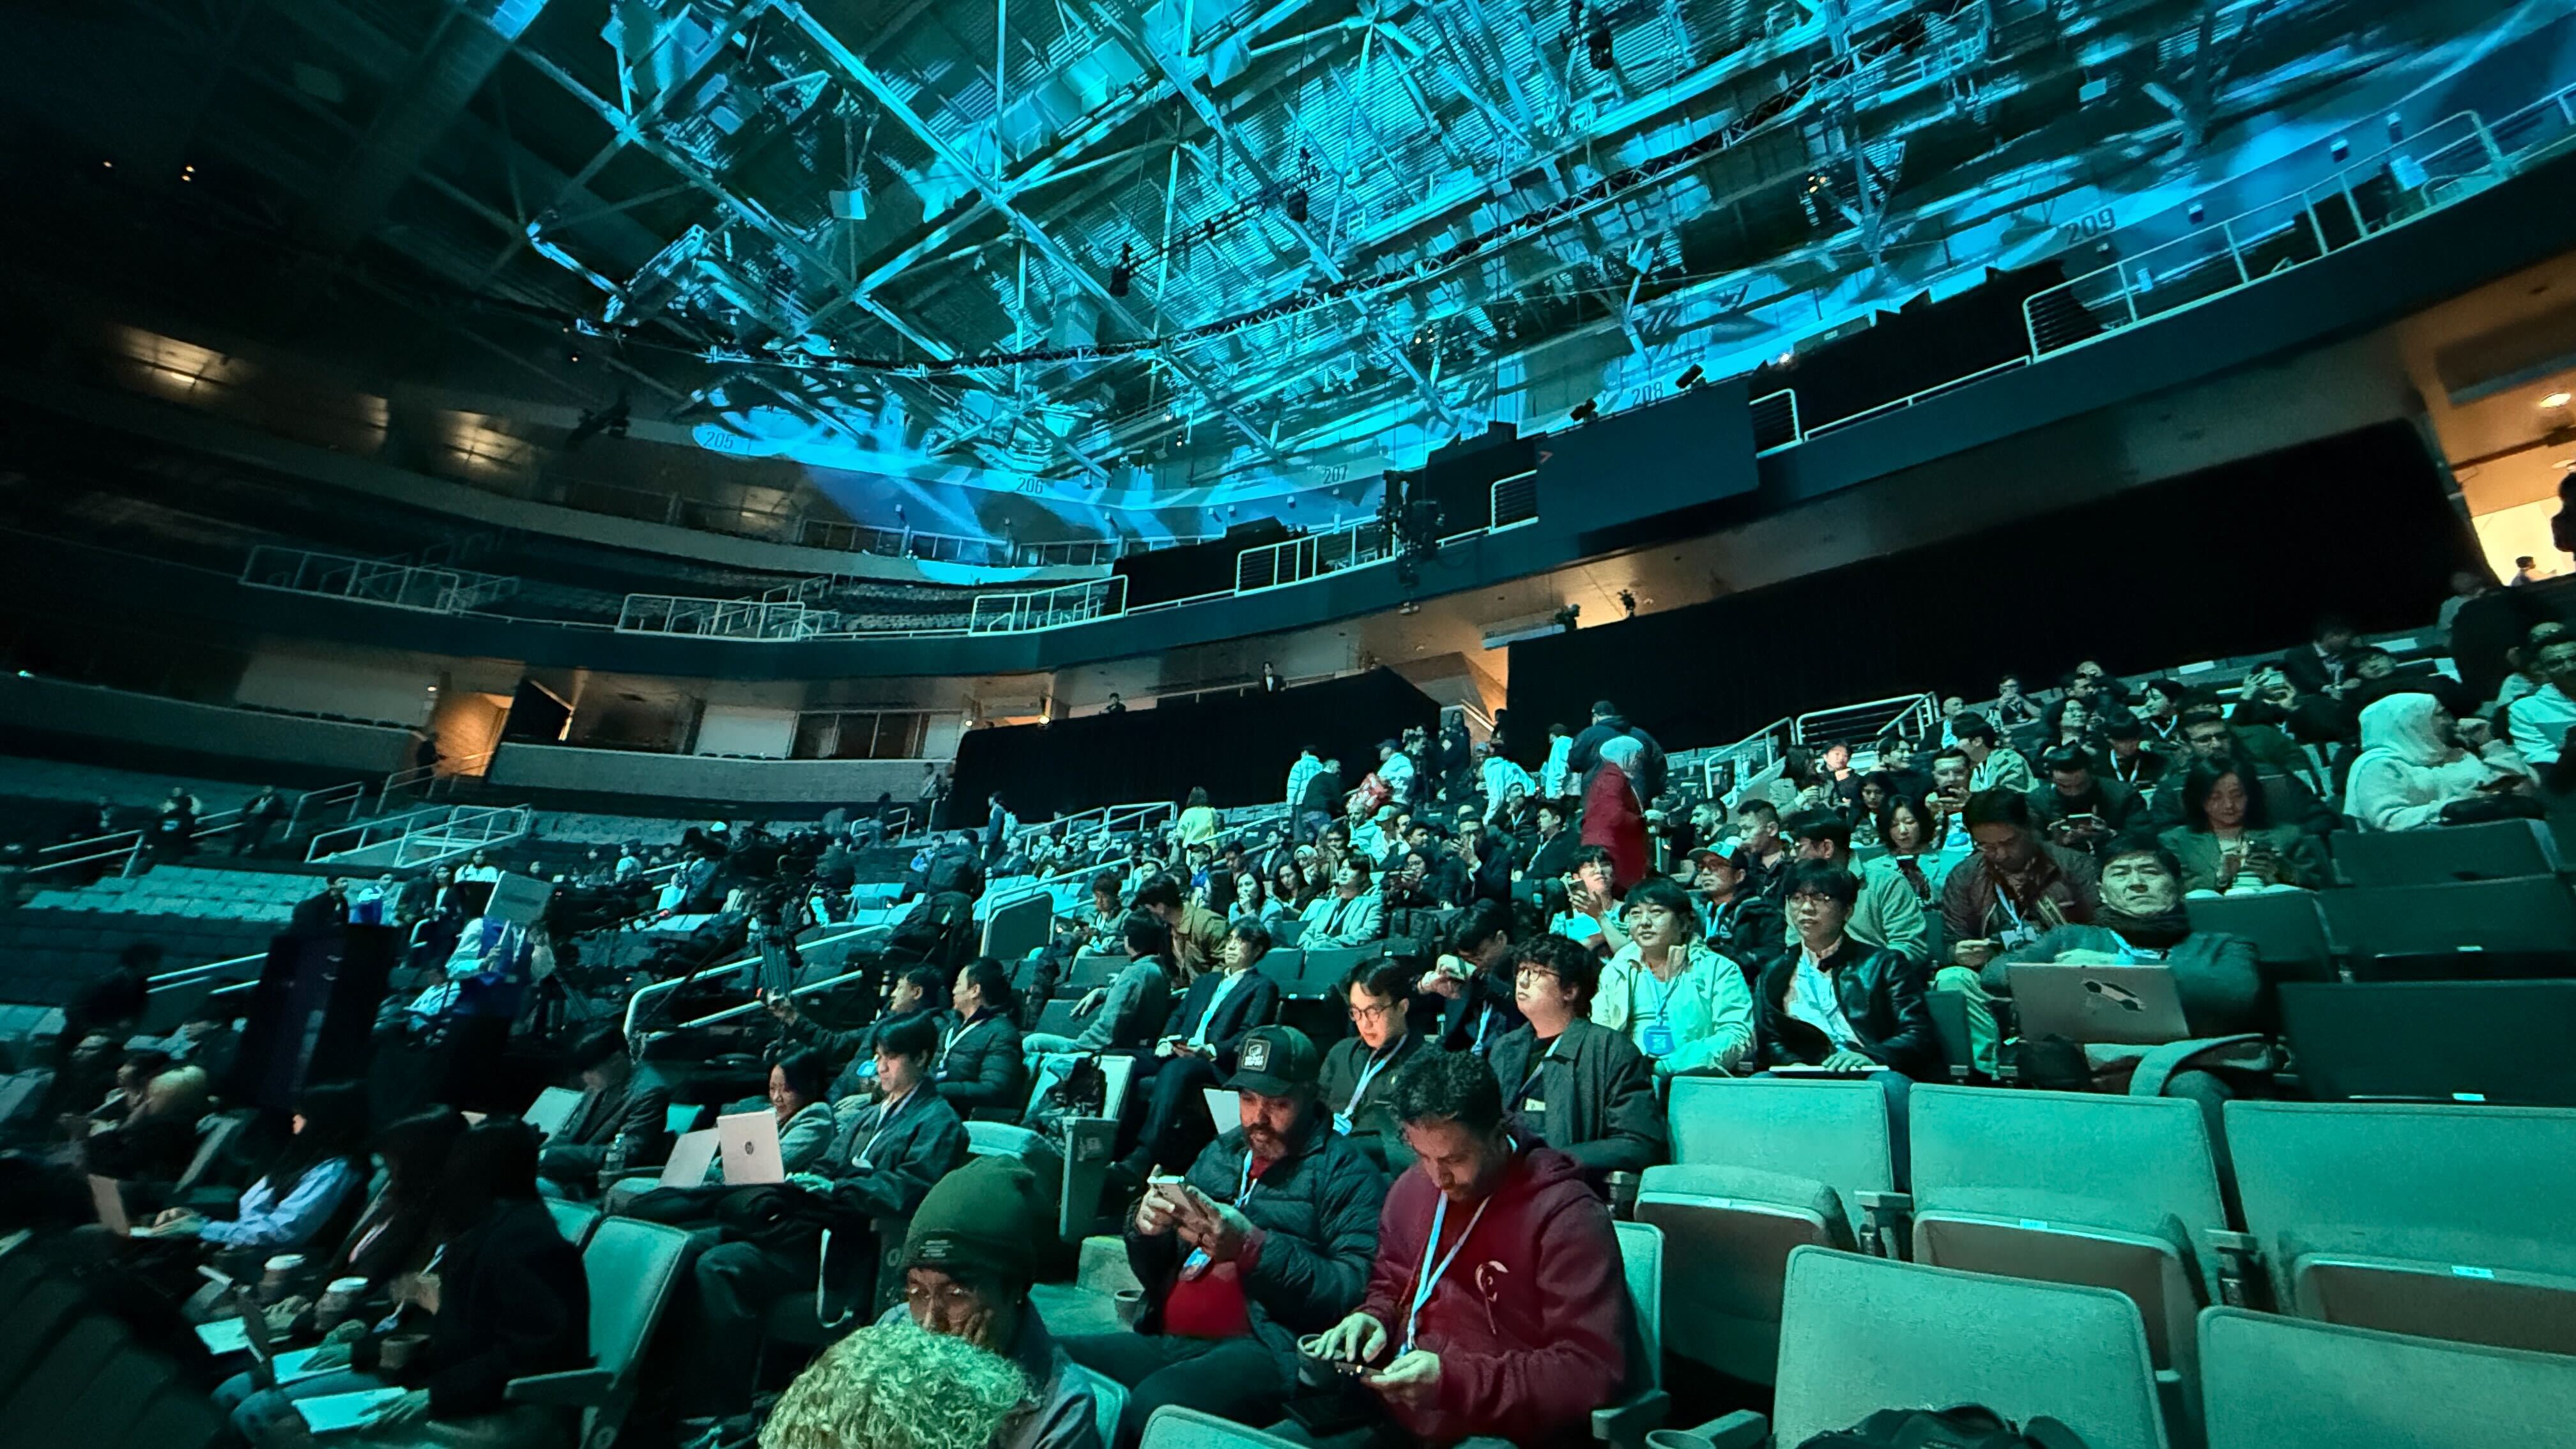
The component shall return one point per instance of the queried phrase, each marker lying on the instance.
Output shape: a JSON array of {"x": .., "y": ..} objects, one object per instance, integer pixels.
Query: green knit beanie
[{"x": 984, "y": 1219}]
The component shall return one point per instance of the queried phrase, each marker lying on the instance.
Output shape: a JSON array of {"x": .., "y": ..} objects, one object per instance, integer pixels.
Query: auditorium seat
[
  {"x": 1093, "y": 968},
  {"x": 1761, "y": 1168},
  {"x": 1173, "y": 1427},
  {"x": 2426, "y": 1219},
  {"x": 2498, "y": 850},
  {"x": 2287, "y": 930},
  {"x": 1860, "y": 1334},
  {"x": 2280, "y": 1383},
  {"x": 1057, "y": 1018},
  {"x": 2074, "y": 1187},
  {"x": 1327, "y": 967},
  {"x": 1624, "y": 1425},
  {"x": 576, "y": 1221},
  {"x": 2433, "y": 1040},
  {"x": 2530, "y": 914},
  {"x": 631, "y": 1267}
]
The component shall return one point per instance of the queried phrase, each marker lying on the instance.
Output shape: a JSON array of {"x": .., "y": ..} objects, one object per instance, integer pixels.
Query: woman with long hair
[
  {"x": 323, "y": 1165},
  {"x": 2227, "y": 833},
  {"x": 1197, "y": 825}
]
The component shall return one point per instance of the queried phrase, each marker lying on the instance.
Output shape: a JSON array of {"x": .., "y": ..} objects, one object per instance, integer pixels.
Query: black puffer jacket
[
  {"x": 1882, "y": 996},
  {"x": 1317, "y": 1209},
  {"x": 980, "y": 1071}
]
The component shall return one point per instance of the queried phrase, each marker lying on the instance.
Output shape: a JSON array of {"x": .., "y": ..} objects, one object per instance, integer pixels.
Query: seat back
[
  {"x": 1284, "y": 967},
  {"x": 574, "y": 1220},
  {"x": 2434, "y": 1040},
  {"x": 2534, "y": 913},
  {"x": 1016, "y": 928},
  {"x": 2498, "y": 850},
  {"x": 1173, "y": 1427},
  {"x": 1859, "y": 1334},
  {"x": 1108, "y": 1401},
  {"x": 2271, "y": 1382},
  {"x": 1950, "y": 1029},
  {"x": 1094, "y": 968},
  {"x": 1833, "y": 1131},
  {"x": 214, "y": 1137},
  {"x": 1326, "y": 967},
  {"x": 2153, "y": 1152},
  {"x": 1057, "y": 1019},
  {"x": 1117, "y": 1074},
  {"x": 2462, "y": 1188},
  {"x": 1641, "y": 1262},
  {"x": 631, "y": 1266},
  {"x": 2287, "y": 930}
]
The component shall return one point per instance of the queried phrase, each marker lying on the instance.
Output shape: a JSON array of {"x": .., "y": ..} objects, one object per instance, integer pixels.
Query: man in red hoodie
[{"x": 1496, "y": 1305}]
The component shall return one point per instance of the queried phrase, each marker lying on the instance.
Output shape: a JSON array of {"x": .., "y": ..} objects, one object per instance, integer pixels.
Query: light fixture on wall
[{"x": 2555, "y": 400}]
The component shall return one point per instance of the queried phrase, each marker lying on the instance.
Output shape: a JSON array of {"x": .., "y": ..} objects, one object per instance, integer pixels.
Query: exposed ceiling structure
[{"x": 1198, "y": 250}]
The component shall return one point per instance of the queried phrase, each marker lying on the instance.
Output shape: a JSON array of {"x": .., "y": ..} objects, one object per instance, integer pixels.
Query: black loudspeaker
[{"x": 311, "y": 1014}]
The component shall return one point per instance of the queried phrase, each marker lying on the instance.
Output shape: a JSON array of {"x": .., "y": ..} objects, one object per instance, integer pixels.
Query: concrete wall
[
  {"x": 333, "y": 682},
  {"x": 52, "y": 707},
  {"x": 687, "y": 777}
]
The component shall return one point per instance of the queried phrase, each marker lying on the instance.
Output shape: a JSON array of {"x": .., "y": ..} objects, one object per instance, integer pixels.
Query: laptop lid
[
  {"x": 2108, "y": 1005},
  {"x": 750, "y": 1144},
  {"x": 109, "y": 1197},
  {"x": 1225, "y": 1108},
  {"x": 552, "y": 1109},
  {"x": 689, "y": 1158}
]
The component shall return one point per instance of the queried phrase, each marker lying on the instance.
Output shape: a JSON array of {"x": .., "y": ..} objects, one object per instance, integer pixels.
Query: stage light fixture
[
  {"x": 1585, "y": 411},
  {"x": 1690, "y": 379}
]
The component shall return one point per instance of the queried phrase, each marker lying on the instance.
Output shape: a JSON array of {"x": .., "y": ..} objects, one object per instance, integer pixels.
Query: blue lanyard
[
  {"x": 1369, "y": 1073},
  {"x": 1664, "y": 996},
  {"x": 1430, "y": 1276},
  {"x": 1244, "y": 1186}
]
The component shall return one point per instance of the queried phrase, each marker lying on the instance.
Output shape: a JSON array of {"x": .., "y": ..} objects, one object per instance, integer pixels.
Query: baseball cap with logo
[{"x": 1275, "y": 1061}]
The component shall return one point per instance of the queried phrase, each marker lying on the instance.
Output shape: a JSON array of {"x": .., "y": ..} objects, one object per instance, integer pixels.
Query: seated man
[
  {"x": 1838, "y": 1004},
  {"x": 1994, "y": 764},
  {"x": 2014, "y": 888},
  {"x": 1198, "y": 934},
  {"x": 1761, "y": 851},
  {"x": 881, "y": 1165},
  {"x": 1733, "y": 919},
  {"x": 1221, "y": 1010},
  {"x": 1361, "y": 1070},
  {"x": 1128, "y": 1014},
  {"x": 2077, "y": 808},
  {"x": 1519, "y": 1334},
  {"x": 1267, "y": 1239},
  {"x": 1468, "y": 989},
  {"x": 1569, "y": 1081},
  {"x": 1591, "y": 914},
  {"x": 2142, "y": 922},
  {"x": 2126, "y": 759},
  {"x": 1684, "y": 1006},
  {"x": 968, "y": 1260},
  {"x": 918, "y": 992},
  {"x": 1889, "y": 916},
  {"x": 620, "y": 1125},
  {"x": 2206, "y": 735},
  {"x": 1350, "y": 914}
]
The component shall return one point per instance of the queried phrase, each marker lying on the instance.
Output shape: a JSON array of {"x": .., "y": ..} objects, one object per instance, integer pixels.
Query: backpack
[{"x": 1967, "y": 1426}]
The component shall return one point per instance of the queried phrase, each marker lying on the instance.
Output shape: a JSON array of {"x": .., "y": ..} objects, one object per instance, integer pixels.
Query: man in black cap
[
  {"x": 1268, "y": 1237},
  {"x": 968, "y": 1261}
]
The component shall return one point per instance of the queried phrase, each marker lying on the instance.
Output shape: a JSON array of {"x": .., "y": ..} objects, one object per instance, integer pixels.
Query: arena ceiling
[{"x": 1197, "y": 248}]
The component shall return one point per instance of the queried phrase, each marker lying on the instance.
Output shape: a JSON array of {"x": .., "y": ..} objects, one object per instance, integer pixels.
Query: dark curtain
[
  {"x": 2235, "y": 560},
  {"x": 1239, "y": 748}
]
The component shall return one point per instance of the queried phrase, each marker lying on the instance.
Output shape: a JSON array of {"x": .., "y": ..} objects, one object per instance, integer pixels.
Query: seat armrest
[
  {"x": 1626, "y": 1424},
  {"x": 1886, "y": 1220},
  {"x": 2241, "y": 1280},
  {"x": 1742, "y": 1429},
  {"x": 571, "y": 1389}
]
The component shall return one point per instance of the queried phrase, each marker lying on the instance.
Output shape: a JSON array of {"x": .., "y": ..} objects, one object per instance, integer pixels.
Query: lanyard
[
  {"x": 885, "y": 1118},
  {"x": 1376, "y": 1065},
  {"x": 1664, "y": 996},
  {"x": 1244, "y": 1186},
  {"x": 1535, "y": 1068},
  {"x": 969, "y": 1024},
  {"x": 1429, "y": 1276}
]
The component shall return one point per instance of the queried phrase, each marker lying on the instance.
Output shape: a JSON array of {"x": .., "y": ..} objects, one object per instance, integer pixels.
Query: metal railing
[
  {"x": 420, "y": 837},
  {"x": 445, "y": 772},
  {"x": 656, "y": 990},
  {"x": 744, "y": 619},
  {"x": 373, "y": 581},
  {"x": 1514, "y": 501},
  {"x": 1723, "y": 768},
  {"x": 777, "y": 618},
  {"x": 1295, "y": 560},
  {"x": 2449, "y": 160},
  {"x": 126, "y": 846},
  {"x": 1101, "y": 820},
  {"x": 1042, "y": 609},
  {"x": 1909, "y": 715}
]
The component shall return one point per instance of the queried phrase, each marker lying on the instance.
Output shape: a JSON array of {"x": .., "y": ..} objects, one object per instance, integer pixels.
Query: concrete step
[{"x": 1068, "y": 1310}]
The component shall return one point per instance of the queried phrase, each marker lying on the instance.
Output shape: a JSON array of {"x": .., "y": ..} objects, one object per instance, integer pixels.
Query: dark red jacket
[
  {"x": 1531, "y": 1321},
  {"x": 1611, "y": 817}
]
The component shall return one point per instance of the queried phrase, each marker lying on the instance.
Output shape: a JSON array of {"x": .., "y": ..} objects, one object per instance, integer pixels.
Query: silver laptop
[
  {"x": 749, "y": 1141},
  {"x": 1225, "y": 1108},
  {"x": 689, "y": 1158},
  {"x": 2098, "y": 1005},
  {"x": 552, "y": 1109}
]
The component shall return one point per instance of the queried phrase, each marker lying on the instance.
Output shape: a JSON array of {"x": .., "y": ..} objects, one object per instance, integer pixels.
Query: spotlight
[
  {"x": 1690, "y": 379},
  {"x": 1585, "y": 411},
  {"x": 1123, "y": 275}
]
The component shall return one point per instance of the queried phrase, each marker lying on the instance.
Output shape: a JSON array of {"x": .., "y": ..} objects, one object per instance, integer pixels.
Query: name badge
[
  {"x": 1659, "y": 1040},
  {"x": 2017, "y": 936},
  {"x": 1533, "y": 1106}
]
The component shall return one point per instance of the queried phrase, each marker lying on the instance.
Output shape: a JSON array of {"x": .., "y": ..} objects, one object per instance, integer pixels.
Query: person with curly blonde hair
[{"x": 897, "y": 1387}]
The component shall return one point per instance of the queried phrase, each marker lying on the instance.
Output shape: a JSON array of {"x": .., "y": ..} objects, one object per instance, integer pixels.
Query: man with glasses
[
  {"x": 1569, "y": 1081},
  {"x": 1835, "y": 1003},
  {"x": 1361, "y": 1071}
]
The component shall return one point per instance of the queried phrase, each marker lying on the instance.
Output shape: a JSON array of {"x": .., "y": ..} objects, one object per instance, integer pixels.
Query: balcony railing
[{"x": 373, "y": 581}]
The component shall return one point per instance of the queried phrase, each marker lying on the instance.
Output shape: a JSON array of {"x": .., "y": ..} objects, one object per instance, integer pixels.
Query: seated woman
[
  {"x": 1683, "y": 1005},
  {"x": 2418, "y": 767},
  {"x": 394, "y": 1234},
  {"x": 505, "y": 1297},
  {"x": 317, "y": 1176},
  {"x": 800, "y": 1100},
  {"x": 2227, "y": 834}
]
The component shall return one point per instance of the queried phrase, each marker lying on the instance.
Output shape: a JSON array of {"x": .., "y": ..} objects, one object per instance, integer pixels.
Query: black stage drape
[
  {"x": 2234, "y": 560},
  {"x": 1238, "y": 747}
]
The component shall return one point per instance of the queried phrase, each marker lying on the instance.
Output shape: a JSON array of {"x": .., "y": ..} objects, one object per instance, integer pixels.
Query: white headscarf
[{"x": 2407, "y": 772}]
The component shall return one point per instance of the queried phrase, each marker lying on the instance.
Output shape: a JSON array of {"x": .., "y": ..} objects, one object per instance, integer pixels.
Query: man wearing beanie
[
  {"x": 967, "y": 1264},
  {"x": 1268, "y": 1237}
]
